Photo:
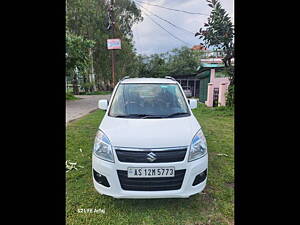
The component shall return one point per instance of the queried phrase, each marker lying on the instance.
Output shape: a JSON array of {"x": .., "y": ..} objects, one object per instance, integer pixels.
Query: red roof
[{"x": 198, "y": 47}]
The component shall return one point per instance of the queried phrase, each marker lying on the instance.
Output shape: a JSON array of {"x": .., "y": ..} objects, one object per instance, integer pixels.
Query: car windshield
[{"x": 148, "y": 101}]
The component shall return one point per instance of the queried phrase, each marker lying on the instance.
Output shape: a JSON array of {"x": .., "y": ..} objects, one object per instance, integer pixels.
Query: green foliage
[
  {"x": 127, "y": 15},
  {"x": 176, "y": 62},
  {"x": 221, "y": 73},
  {"x": 126, "y": 60},
  {"x": 183, "y": 61},
  {"x": 219, "y": 31},
  {"x": 77, "y": 53},
  {"x": 87, "y": 85},
  {"x": 153, "y": 66},
  {"x": 230, "y": 96},
  {"x": 98, "y": 93},
  {"x": 70, "y": 96},
  {"x": 89, "y": 19}
]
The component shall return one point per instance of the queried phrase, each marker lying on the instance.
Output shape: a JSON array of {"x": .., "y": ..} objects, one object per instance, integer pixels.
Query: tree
[
  {"x": 219, "y": 33},
  {"x": 184, "y": 61},
  {"x": 77, "y": 57},
  {"x": 178, "y": 61},
  {"x": 90, "y": 19},
  {"x": 127, "y": 14}
]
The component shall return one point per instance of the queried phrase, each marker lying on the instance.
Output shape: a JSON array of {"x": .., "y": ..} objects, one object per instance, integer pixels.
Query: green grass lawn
[
  {"x": 70, "y": 96},
  {"x": 215, "y": 206},
  {"x": 99, "y": 93}
]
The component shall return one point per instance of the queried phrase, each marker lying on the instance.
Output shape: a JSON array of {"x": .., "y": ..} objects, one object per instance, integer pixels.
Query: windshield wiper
[
  {"x": 177, "y": 114},
  {"x": 144, "y": 116},
  {"x": 153, "y": 116},
  {"x": 136, "y": 116}
]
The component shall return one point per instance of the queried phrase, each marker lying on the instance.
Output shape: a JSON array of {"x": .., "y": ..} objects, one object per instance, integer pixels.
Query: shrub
[
  {"x": 230, "y": 96},
  {"x": 70, "y": 96}
]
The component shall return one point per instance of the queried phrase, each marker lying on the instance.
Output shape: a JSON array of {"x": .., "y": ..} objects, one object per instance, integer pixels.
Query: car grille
[
  {"x": 151, "y": 184},
  {"x": 161, "y": 156}
]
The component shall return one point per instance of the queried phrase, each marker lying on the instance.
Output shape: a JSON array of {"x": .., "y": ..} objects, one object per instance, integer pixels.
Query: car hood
[{"x": 150, "y": 133}]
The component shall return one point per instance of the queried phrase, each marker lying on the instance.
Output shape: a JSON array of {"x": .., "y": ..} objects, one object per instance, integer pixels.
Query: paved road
[{"x": 78, "y": 108}]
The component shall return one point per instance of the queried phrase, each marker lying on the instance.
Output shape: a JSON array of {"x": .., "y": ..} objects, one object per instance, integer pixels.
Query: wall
[
  {"x": 218, "y": 80},
  {"x": 215, "y": 83}
]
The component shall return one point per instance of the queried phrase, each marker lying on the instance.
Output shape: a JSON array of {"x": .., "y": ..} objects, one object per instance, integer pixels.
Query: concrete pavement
[{"x": 78, "y": 108}]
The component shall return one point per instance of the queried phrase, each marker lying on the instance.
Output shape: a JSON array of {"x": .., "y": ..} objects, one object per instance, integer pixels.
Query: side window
[
  {"x": 118, "y": 102},
  {"x": 180, "y": 99}
]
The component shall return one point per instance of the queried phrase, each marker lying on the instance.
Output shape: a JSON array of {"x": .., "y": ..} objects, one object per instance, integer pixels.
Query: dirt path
[{"x": 78, "y": 108}]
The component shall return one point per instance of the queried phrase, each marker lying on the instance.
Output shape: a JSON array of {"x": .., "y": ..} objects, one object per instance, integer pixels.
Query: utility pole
[{"x": 113, "y": 36}]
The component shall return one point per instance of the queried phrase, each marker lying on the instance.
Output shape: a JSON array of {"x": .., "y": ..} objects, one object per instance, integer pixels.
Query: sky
[{"x": 149, "y": 38}]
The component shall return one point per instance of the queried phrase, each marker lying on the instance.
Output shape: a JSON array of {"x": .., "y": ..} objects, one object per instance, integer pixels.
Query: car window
[{"x": 148, "y": 99}]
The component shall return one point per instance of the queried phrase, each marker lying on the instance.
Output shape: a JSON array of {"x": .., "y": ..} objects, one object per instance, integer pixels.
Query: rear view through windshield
[{"x": 148, "y": 100}]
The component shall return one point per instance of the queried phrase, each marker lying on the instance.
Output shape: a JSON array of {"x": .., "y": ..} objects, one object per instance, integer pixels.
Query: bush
[
  {"x": 230, "y": 96},
  {"x": 87, "y": 85},
  {"x": 70, "y": 96},
  {"x": 99, "y": 93}
]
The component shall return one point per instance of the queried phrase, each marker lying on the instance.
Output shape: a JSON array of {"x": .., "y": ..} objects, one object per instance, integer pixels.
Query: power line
[
  {"x": 166, "y": 30},
  {"x": 177, "y": 10},
  {"x": 166, "y": 20}
]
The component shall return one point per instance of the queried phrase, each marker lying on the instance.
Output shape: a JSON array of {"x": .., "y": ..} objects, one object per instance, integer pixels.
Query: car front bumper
[{"x": 109, "y": 170}]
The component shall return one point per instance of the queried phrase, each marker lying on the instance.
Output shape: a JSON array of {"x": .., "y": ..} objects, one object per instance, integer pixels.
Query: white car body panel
[
  {"x": 108, "y": 169},
  {"x": 149, "y": 134}
]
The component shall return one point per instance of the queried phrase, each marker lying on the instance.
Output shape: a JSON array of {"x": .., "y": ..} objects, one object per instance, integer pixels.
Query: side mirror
[
  {"x": 103, "y": 104},
  {"x": 193, "y": 103}
]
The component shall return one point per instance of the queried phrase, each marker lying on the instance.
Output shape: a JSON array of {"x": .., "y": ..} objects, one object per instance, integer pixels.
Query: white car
[{"x": 149, "y": 144}]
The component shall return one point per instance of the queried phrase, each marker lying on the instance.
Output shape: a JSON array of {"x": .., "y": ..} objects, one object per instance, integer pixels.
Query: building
[
  {"x": 199, "y": 47},
  {"x": 209, "y": 80},
  {"x": 208, "y": 53},
  {"x": 212, "y": 80}
]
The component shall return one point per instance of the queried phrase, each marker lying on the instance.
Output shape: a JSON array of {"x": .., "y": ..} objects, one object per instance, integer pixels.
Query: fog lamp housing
[
  {"x": 100, "y": 179},
  {"x": 200, "y": 177}
]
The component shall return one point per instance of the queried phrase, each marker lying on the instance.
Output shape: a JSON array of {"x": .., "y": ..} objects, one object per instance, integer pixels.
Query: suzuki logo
[{"x": 151, "y": 157}]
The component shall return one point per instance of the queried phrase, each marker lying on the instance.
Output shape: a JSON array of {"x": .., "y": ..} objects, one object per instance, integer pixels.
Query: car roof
[{"x": 148, "y": 80}]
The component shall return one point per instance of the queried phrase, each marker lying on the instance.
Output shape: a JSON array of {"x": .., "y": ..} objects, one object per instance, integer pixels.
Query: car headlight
[
  {"x": 198, "y": 147},
  {"x": 103, "y": 148}
]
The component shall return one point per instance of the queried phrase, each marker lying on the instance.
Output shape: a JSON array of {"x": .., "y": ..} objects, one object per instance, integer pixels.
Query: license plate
[{"x": 150, "y": 172}]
